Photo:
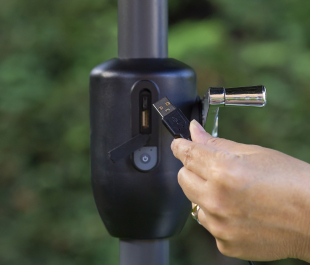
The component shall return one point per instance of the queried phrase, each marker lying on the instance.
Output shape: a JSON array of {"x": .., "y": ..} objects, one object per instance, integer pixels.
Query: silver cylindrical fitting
[
  {"x": 254, "y": 96},
  {"x": 216, "y": 96}
]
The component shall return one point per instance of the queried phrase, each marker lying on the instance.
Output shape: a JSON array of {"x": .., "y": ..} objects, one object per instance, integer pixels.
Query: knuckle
[
  {"x": 228, "y": 249},
  {"x": 232, "y": 247},
  {"x": 227, "y": 175},
  {"x": 219, "y": 166},
  {"x": 214, "y": 141},
  {"x": 218, "y": 231},
  {"x": 214, "y": 208},
  {"x": 218, "y": 173},
  {"x": 222, "y": 155},
  {"x": 181, "y": 176},
  {"x": 224, "y": 248},
  {"x": 189, "y": 155},
  {"x": 175, "y": 147}
]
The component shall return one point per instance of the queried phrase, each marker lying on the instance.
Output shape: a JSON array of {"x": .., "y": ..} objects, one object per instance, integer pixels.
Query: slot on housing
[
  {"x": 145, "y": 110},
  {"x": 145, "y": 119}
]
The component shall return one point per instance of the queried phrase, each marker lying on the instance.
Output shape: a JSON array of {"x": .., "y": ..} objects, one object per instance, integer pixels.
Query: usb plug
[{"x": 173, "y": 118}]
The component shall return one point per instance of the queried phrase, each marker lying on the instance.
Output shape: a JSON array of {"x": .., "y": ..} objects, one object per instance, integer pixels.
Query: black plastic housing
[{"x": 135, "y": 204}]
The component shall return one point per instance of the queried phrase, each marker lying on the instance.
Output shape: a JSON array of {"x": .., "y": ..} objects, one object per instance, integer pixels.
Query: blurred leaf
[
  {"x": 269, "y": 54},
  {"x": 300, "y": 67},
  {"x": 191, "y": 38}
]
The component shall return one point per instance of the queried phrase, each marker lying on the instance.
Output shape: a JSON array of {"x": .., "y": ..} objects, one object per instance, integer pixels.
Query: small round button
[{"x": 145, "y": 158}]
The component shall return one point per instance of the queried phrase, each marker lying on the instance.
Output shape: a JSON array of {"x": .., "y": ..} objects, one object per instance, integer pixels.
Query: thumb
[{"x": 199, "y": 135}]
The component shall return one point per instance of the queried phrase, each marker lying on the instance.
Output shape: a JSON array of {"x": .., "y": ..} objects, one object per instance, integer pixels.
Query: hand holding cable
[
  {"x": 253, "y": 200},
  {"x": 178, "y": 125}
]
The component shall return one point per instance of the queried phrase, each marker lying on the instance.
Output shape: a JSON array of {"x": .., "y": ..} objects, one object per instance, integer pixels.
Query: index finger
[{"x": 194, "y": 156}]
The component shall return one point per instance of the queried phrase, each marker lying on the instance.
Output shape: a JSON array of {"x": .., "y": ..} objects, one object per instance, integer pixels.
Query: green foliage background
[{"x": 47, "y": 49}]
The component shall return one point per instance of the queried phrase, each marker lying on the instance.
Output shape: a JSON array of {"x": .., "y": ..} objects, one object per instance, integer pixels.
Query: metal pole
[
  {"x": 142, "y": 29},
  {"x": 143, "y": 33},
  {"x": 144, "y": 252}
]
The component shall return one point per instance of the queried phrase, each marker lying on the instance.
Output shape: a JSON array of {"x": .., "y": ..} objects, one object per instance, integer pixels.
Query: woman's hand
[{"x": 255, "y": 201}]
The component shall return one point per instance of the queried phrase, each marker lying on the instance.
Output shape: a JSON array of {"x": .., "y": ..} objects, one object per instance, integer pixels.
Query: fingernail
[{"x": 197, "y": 125}]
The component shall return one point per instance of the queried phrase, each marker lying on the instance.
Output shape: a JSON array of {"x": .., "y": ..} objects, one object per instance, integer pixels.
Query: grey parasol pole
[
  {"x": 144, "y": 252},
  {"x": 143, "y": 33},
  {"x": 142, "y": 29}
]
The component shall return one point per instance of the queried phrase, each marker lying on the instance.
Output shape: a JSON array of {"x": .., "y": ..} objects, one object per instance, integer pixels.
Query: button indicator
[{"x": 145, "y": 158}]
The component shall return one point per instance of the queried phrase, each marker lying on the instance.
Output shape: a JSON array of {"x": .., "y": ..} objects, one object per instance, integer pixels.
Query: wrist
[
  {"x": 302, "y": 249},
  {"x": 302, "y": 225}
]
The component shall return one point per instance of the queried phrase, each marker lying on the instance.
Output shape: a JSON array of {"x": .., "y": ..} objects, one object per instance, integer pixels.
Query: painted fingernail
[{"x": 197, "y": 125}]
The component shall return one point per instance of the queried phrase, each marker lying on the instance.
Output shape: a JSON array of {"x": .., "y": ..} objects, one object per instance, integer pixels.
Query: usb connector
[
  {"x": 173, "y": 118},
  {"x": 164, "y": 107}
]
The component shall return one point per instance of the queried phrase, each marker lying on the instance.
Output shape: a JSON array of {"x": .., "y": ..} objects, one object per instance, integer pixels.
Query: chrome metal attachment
[
  {"x": 254, "y": 96},
  {"x": 216, "y": 96}
]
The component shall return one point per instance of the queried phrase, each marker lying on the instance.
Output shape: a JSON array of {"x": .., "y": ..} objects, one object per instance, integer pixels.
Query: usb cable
[
  {"x": 176, "y": 122},
  {"x": 173, "y": 118}
]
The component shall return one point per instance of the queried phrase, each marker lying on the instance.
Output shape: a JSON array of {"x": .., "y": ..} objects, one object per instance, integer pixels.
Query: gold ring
[{"x": 195, "y": 213}]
